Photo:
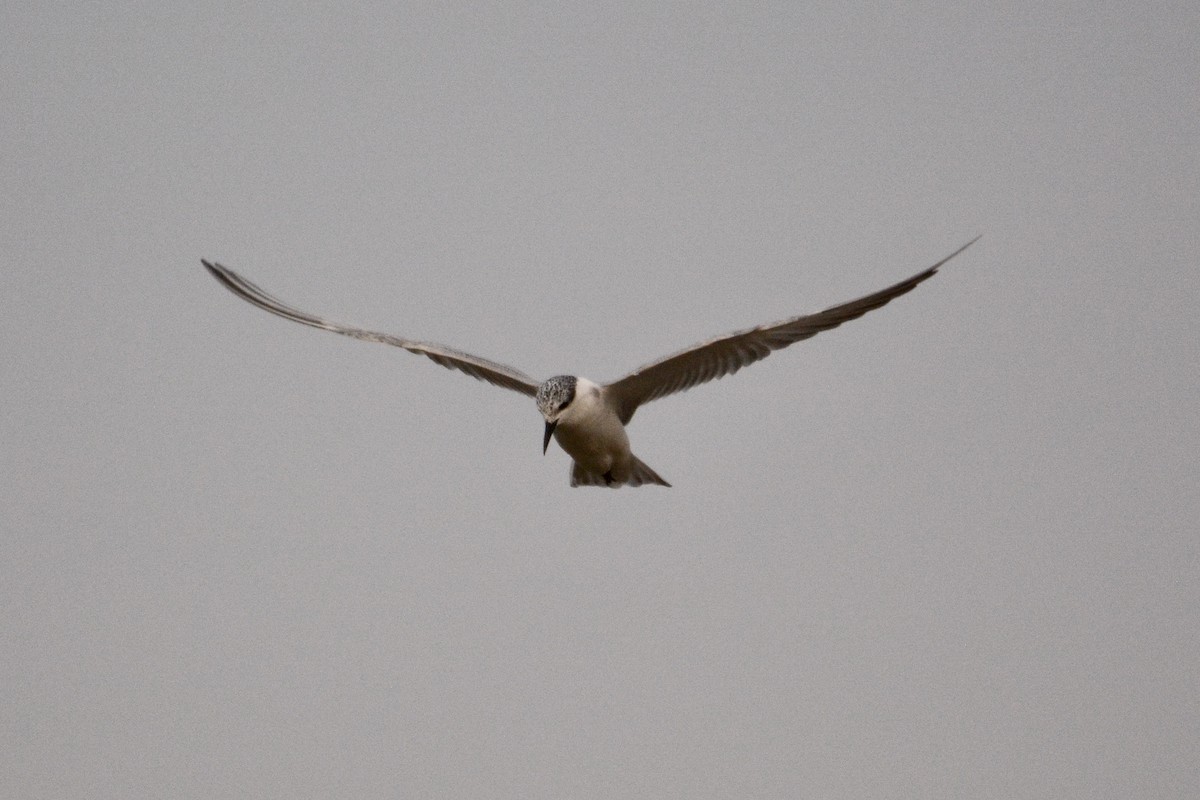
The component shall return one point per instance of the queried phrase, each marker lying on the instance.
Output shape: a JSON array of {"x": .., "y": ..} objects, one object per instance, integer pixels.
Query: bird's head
[{"x": 553, "y": 398}]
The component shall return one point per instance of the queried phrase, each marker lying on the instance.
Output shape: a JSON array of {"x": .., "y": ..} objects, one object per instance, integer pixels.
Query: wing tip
[
  {"x": 939, "y": 264},
  {"x": 226, "y": 277},
  {"x": 215, "y": 269}
]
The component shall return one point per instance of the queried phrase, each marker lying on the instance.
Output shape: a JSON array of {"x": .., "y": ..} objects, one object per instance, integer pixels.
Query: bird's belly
[{"x": 597, "y": 449}]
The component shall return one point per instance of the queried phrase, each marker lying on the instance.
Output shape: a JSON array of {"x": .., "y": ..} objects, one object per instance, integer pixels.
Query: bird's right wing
[
  {"x": 497, "y": 374},
  {"x": 727, "y": 354}
]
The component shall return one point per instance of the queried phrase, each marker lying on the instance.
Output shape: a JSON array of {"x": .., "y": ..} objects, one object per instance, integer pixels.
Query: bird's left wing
[
  {"x": 481, "y": 368},
  {"x": 727, "y": 354}
]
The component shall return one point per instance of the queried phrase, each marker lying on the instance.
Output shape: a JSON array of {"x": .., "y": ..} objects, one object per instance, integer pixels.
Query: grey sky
[{"x": 948, "y": 550}]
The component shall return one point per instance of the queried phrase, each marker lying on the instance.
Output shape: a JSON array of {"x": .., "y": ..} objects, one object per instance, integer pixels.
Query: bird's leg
[{"x": 608, "y": 478}]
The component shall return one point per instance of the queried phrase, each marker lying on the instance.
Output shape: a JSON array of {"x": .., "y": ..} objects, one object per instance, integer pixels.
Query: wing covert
[
  {"x": 725, "y": 355},
  {"x": 482, "y": 369}
]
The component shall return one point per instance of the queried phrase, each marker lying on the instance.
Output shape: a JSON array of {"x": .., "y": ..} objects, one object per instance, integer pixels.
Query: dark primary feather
[
  {"x": 481, "y": 368},
  {"x": 726, "y": 354}
]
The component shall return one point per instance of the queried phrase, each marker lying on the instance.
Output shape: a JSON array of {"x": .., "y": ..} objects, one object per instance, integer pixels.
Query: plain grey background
[{"x": 948, "y": 550}]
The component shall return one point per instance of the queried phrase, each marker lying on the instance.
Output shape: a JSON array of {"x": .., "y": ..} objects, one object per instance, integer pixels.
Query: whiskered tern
[{"x": 588, "y": 419}]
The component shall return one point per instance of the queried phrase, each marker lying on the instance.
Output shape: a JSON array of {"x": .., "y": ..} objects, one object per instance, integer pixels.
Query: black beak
[{"x": 550, "y": 426}]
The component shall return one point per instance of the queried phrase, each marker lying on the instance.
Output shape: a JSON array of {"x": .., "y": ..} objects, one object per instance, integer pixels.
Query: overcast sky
[{"x": 948, "y": 550}]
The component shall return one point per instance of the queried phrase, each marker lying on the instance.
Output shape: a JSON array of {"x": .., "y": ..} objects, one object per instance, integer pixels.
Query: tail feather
[{"x": 639, "y": 475}]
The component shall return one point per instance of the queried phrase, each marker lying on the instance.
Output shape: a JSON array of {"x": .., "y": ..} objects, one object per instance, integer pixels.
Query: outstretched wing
[
  {"x": 727, "y": 354},
  {"x": 497, "y": 374}
]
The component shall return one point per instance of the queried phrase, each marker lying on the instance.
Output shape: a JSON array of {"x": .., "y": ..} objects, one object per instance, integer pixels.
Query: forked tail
[{"x": 639, "y": 475}]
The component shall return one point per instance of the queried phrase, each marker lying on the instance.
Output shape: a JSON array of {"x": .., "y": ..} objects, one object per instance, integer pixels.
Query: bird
[{"x": 588, "y": 419}]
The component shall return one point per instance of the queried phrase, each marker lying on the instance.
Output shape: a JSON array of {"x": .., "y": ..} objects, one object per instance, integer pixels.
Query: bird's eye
[{"x": 563, "y": 404}]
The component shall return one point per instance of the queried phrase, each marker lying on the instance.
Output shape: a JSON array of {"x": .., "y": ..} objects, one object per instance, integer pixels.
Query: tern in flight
[{"x": 588, "y": 419}]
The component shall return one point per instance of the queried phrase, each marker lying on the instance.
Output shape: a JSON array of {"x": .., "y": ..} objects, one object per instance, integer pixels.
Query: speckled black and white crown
[{"x": 555, "y": 394}]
